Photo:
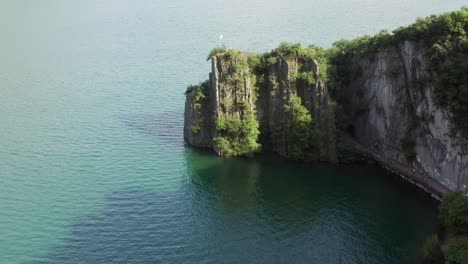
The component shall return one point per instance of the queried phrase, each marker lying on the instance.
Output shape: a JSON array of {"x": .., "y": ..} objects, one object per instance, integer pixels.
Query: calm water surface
[{"x": 93, "y": 168}]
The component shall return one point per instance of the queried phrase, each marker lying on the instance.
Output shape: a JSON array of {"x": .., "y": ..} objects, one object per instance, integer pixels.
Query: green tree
[
  {"x": 458, "y": 252},
  {"x": 238, "y": 136},
  {"x": 453, "y": 212},
  {"x": 304, "y": 136},
  {"x": 216, "y": 51},
  {"x": 431, "y": 250}
]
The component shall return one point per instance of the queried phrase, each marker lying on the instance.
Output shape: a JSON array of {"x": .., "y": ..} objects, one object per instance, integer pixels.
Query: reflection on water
[
  {"x": 93, "y": 168},
  {"x": 233, "y": 183},
  {"x": 323, "y": 213},
  {"x": 264, "y": 211}
]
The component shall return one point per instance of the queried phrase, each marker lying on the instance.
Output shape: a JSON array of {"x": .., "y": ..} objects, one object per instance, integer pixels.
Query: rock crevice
[{"x": 401, "y": 121}]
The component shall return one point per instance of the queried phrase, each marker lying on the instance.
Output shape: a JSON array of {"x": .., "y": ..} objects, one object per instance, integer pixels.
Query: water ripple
[{"x": 166, "y": 127}]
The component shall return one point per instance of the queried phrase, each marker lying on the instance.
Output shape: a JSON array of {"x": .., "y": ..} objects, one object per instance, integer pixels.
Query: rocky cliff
[
  {"x": 198, "y": 116},
  {"x": 220, "y": 113},
  {"x": 395, "y": 117},
  {"x": 276, "y": 100},
  {"x": 400, "y": 97},
  {"x": 295, "y": 92},
  {"x": 281, "y": 103}
]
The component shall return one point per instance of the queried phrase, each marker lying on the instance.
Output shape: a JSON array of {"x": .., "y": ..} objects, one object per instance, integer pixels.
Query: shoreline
[
  {"x": 422, "y": 181},
  {"x": 416, "y": 177}
]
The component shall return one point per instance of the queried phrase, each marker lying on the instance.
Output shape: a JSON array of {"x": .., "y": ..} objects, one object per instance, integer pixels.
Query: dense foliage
[
  {"x": 306, "y": 76},
  {"x": 458, "y": 252},
  {"x": 453, "y": 216},
  {"x": 201, "y": 85},
  {"x": 299, "y": 132},
  {"x": 199, "y": 101},
  {"x": 431, "y": 251},
  {"x": 239, "y": 135},
  {"x": 304, "y": 136},
  {"x": 237, "y": 126},
  {"x": 215, "y": 52},
  {"x": 453, "y": 212},
  {"x": 305, "y": 55}
]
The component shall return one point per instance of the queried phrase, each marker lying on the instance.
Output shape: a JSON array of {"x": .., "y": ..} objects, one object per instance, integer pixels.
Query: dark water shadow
[
  {"x": 166, "y": 127},
  {"x": 135, "y": 226},
  {"x": 315, "y": 213},
  {"x": 262, "y": 211}
]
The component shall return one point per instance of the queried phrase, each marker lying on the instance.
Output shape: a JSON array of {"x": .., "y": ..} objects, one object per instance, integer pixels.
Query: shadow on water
[
  {"x": 299, "y": 213},
  {"x": 166, "y": 127},
  {"x": 262, "y": 211},
  {"x": 135, "y": 226}
]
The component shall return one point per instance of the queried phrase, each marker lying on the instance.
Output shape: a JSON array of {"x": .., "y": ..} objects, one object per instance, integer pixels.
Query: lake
[{"x": 93, "y": 167}]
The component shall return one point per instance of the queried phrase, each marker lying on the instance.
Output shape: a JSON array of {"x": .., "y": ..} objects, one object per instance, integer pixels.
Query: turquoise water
[{"x": 93, "y": 168}]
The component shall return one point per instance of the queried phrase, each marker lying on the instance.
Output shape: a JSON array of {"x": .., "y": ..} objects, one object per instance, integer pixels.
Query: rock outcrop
[
  {"x": 286, "y": 82},
  {"x": 280, "y": 101},
  {"x": 198, "y": 116},
  {"x": 249, "y": 101},
  {"x": 400, "y": 97},
  {"x": 395, "y": 117}
]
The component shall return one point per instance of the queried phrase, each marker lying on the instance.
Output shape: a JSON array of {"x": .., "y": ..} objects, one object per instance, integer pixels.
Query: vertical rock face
[
  {"x": 402, "y": 101},
  {"x": 280, "y": 103},
  {"x": 233, "y": 103},
  {"x": 198, "y": 117},
  {"x": 394, "y": 115},
  {"x": 284, "y": 87},
  {"x": 291, "y": 113}
]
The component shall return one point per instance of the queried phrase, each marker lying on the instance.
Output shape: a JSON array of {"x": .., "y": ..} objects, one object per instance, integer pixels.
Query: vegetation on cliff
[
  {"x": 445, "y": 40},
  {"x": 458, "y": 252},
  {"x": 294, "y": 51},
  {"x": 238, "y": 129},
  {"x": 453, "y": 216},
  {"x": 239, "y": 135},
  {"x": 304, "y": 137},
  {"x": 216, "y": 51},
  {"x": 236, "y": 125},
  {"x": 431, "y": 251},
  {"x": 200, "y": 100},
  {"x": 453, "y": 213},
  {"x": 299, "y": 133}
]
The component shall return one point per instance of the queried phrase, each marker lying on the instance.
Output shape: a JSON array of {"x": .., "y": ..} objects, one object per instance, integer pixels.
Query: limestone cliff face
[
  {"x": 277, "y": 99},
  {"x": 283, "y": 85},
  {"x": 394, "y": 115},
  {"x": 216, "y": 110},
  {"x": 198, "y": 116},
  {"x": 233, "y": 98},
  {"x": 282, "y": 104}
]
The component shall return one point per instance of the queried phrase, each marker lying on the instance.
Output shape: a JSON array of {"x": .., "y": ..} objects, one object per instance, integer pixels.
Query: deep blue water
[{"x": 93, "y": 168}]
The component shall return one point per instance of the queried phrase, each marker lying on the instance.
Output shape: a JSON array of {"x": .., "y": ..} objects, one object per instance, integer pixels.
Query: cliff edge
[
  {"x": 393, "y": 115},
  {"x": 276, "y": 100},
  {"x": 401, "y": 98}
]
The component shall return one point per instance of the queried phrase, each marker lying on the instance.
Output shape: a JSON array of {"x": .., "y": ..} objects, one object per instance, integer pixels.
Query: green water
[{"x": 93, "y": 168}]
